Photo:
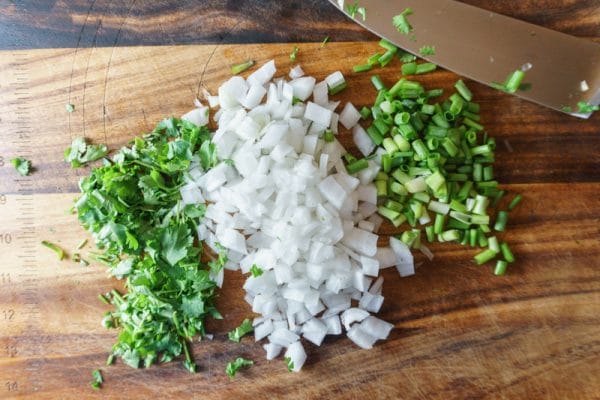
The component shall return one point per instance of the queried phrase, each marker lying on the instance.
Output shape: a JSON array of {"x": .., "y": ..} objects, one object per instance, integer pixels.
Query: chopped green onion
[
  {"x": 239, "y": 68},
  {"x": 463, "y": 90},
  {"x": 501, "y": 220},
  {"x": 485, "y": 256},
  {"x": 409, "y": 68},
  {"x": 324, "y": 42},
  {"x": 328, "y": 136},
  {"x": 377, "y": 82},
  {"x": 506, "y": 252},
  {"x": 425, "y": 68},
  {"x": 374, "y": 59},
  {"x": 60, "y": 253},
  {"x": 293, "y": 54},
  {"x": 514, "y": 202},
  {"x": 500, "y": 267},
  {"x": 70, "y": 107},
  {"x": 357, "y": 166},
  {"x": 336, "y": 89},
  {"x": 362, "y": 68}
]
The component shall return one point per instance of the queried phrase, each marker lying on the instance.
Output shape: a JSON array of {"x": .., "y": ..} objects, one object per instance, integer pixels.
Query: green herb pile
[{"x": 132, "y": 206}]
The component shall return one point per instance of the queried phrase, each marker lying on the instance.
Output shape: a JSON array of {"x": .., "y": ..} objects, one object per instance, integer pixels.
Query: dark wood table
[{"x": 460, "y": 331}]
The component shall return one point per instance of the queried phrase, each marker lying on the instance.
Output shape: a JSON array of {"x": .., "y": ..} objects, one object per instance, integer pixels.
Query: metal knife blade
[{"x": 487, "y": 47}]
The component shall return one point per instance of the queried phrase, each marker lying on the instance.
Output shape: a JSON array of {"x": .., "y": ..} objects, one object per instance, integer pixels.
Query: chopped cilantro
[
  {"x": 22, "y": 165},
  {"x": 427, "y": 50},
  {"x": 586, "y": 108},
  {"x": 132, "y": 206},
  {"x": 97, "y": 379},
  {"x": 255, "y": 270},
  {"x": 401, "y": 22},
  {"x": 235, "y": 366},
  {"x": 80, "y": 153},
  {"x": 406, "y": 57},
  {"x": 353, "y": 9},
  {"x": 245, "y": 328}
]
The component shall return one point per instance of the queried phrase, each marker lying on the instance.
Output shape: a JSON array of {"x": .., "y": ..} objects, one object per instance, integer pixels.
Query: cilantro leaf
[
  {"x": 175, "y": 241},
  {"x": 401, "y": 22},
  {"x": 22, "y": 165},
  {"x": 132, "y": 206},
  {"x": 236, "y": 365},
  {"x": 97, "y": 379},
  {"x": 245, "y": 328},
  {"x": 586, "y": 108},
  {"x": 406, "y": 57},
  {"x": 255, "y": 270},
  {"x": 427, "y": 50},
  {"x": 80, "y": 153}
]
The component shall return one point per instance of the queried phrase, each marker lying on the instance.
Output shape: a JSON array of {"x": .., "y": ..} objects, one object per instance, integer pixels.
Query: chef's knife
[{"x": 485, "y": 46}]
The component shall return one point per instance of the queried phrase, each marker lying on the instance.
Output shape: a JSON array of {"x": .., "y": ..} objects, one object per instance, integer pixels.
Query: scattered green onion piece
[
  {"x": 239, "y": 68},
  {"x": 60, "y": 253},
  {"x": 506, "y": 252},
  {"x": 357, "y": 166},
  {"x": 463, "y": 90},
  {"x": 362, "y": 68},
  {"x": 485, "y": 256},
  {"x": 324, "y": 42},
  {"x": 514, "y": 202},
  {"x": 365, "y": 113},
  {"x": 409, "y": 68},
  {"x": 377, "y": 82},
  {"x": 493, "y": 244},
  {"x": 500, "y": 268},
  {"x": 293, "y": 54},
  {"x": 336, "y": 89},
  {"x": 374, "y": 59},
  {"x": 501, "y": 220},
  {"x": 425, "y": 68},
  {"x": 429, "y": 233}
]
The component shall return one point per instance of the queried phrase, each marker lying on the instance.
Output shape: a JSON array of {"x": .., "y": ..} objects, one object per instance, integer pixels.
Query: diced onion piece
[{"x": 349, "y": 116}]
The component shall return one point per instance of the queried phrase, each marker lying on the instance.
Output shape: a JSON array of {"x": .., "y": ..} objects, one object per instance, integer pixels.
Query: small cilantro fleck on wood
[
  {"x": 237, "y": 334},
  {"x": 236, "y": 365},
  {"x": 81, "y": 153},
  {"x": 21, "y": 165},
  {"x": 97, "y": 379}
]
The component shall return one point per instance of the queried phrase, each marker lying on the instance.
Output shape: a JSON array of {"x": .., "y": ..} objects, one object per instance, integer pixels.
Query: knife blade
[{"x": 485, "y": 46}]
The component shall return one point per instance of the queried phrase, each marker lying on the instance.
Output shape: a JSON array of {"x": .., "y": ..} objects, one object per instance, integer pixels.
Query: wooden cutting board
[{"x": 460, "y": 331}]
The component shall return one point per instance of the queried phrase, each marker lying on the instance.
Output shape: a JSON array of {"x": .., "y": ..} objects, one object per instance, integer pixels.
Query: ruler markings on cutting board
[{"x": 19, "y": 268}]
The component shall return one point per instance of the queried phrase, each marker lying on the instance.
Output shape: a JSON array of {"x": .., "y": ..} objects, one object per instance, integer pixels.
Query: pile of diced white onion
[{"x": 287, "y": 205}]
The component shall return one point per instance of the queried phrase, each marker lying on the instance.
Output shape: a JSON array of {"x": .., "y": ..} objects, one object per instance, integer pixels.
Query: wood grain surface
[
  {"x": 459, "y": 331},
  {"x": 107, "y": 23}
]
